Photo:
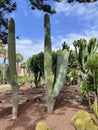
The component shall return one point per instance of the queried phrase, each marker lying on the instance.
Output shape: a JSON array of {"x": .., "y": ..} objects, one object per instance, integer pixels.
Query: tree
[
  {"x": 37, "y": 67},
  {"x": 19, "y": 58},
  {"x": 3, "y": 54},
  {"x": 6, "y": 6}
]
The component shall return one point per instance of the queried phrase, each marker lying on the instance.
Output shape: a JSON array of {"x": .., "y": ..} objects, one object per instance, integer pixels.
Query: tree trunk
[{"x": 15, "y": 94}]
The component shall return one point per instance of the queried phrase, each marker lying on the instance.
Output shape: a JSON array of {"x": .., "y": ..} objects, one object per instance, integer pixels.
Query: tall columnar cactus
[
  {"x": 12, "y": 66},
  {"x": 53, "y": 90},
  {"x": 48, "y": 55}
]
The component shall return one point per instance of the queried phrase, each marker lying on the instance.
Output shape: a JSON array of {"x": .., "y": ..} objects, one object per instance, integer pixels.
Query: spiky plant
[
  {"x": 12, "y": 77},
  {"x": 53, "y": 90}
]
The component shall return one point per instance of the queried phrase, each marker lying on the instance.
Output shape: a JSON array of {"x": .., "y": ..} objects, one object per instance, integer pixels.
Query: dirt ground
[{"x": 32, "y": 109}]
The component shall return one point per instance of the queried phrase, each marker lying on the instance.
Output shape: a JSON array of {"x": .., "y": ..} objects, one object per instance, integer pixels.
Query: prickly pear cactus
[{"x": 62, "y": 64}]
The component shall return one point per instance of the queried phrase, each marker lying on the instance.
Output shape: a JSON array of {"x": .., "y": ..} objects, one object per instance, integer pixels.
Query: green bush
[
  {"x": 83, "y": 121},
  {"x": 24, "y": 79}
]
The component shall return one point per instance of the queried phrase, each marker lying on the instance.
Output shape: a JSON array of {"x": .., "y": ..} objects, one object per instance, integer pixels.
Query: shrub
[{"x": 24, "y": 79}]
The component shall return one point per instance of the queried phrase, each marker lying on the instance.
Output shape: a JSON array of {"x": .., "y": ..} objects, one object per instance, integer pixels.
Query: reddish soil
[{"x": 31, "y": 112}]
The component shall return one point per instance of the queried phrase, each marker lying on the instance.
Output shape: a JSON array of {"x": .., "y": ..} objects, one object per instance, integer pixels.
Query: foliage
[
  {"x": 3, "y": 51},
  {"x": 24, "y": 79},
  {"x": 19, "y": 58},
  {"x": 95, "y": 109},
  {"x": 87, "y": 62},
  {"x": 72, "y": 72},
  {"x": 6, "y": 6},
  {"x": 83, "y": 121},
  {"x": 44, "y": 5},
  {"x": 88, "y": 84},
  {"x": 36, "y": 65}
]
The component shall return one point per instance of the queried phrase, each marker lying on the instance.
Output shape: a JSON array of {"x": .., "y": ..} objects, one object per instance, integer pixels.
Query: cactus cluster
[{"x": 83, "y": 121}]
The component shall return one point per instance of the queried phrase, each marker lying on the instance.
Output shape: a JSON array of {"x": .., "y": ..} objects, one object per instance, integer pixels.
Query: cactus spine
[
  {"x": 12, "y": 66},
  {"x": 62, "y": 63}
]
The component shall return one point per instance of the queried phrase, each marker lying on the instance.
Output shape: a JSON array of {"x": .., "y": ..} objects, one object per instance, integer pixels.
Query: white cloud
[
  {"x": 71, "y": 37},
  {"x": 28, "y": 47},
  {"x": 87, "y": 10}
]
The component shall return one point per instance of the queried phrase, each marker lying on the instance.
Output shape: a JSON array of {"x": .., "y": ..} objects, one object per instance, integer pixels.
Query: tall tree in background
[
  {"x": 6, "y": 7},
  {"x": 3, "y": 54},
  {"x": 19, "y": 58}
]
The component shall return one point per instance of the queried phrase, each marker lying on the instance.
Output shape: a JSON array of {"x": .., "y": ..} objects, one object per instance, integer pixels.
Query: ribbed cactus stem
[
  {"x": 48, "y": 54},
  {"x": 12, "y": 50},
  {"x": 12, "y": 66}
]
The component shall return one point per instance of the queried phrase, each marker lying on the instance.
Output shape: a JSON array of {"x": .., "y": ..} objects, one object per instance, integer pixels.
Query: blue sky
[{"x": 71, "y": 22}]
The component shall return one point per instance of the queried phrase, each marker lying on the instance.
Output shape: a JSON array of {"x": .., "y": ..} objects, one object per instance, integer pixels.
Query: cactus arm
[
  {"x": 62, "y": 64},
  {"x": 48, "y": 55}
]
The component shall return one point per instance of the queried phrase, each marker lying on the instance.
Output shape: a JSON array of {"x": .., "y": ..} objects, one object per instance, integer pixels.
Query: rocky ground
[{"x": 32, "y": 109}]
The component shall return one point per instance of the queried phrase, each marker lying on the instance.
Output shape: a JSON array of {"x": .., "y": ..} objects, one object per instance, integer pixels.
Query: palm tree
[
  {"x": 19, "y": 58},
  {"x": 3, "y": 52}
]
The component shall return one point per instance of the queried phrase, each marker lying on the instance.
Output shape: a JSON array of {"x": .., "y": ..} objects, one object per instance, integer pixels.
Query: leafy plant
[{"x": 24, "y": 79}]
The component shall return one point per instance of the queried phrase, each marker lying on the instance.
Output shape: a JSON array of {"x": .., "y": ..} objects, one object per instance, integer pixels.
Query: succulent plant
[
  {"x": 53, "y": 90},
  {"x": 83, "y": 121},
  {"x": 11, "y": 69}
]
